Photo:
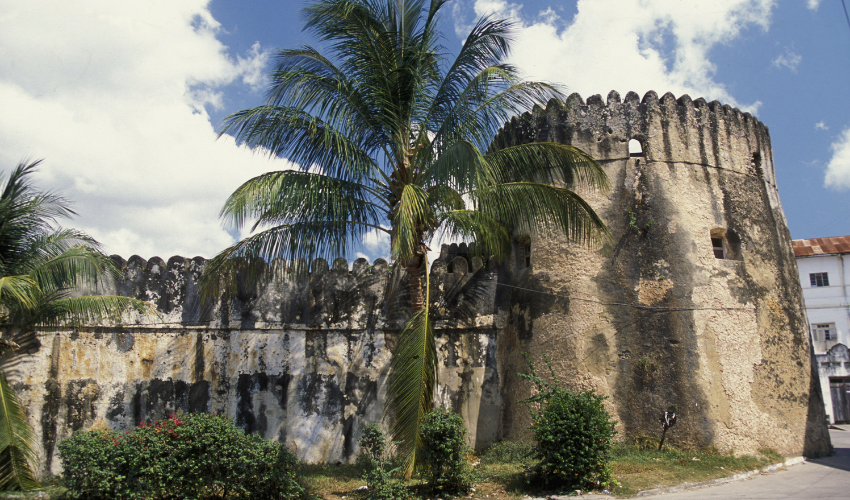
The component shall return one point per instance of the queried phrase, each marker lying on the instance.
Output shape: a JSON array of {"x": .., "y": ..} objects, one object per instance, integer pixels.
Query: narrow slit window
[
  {"x": 718, "y": 247},
  {"x": 527, "y": 252},
  {"x": 819, "y": 279},
  {"x": 756, "y": 164}
]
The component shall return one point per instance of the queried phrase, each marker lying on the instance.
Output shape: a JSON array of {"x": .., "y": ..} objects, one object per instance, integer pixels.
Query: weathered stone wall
[
  {"x": 302, "y": 359},
  {"x": 652, "y": 318}
]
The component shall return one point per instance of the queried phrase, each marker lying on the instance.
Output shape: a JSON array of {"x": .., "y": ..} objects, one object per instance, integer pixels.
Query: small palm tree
[
  {"x": 393, "y": 136},
  {"x": 46, "y": 275}
]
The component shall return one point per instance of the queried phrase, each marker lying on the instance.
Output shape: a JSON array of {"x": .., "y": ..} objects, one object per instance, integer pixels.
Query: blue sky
[{"x": 123, "y": 99}]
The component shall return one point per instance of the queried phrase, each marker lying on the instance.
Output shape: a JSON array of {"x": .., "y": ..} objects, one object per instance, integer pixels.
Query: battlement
[
  {"x": 670, "y": 130},
  {"x": 341, "y": 295}
]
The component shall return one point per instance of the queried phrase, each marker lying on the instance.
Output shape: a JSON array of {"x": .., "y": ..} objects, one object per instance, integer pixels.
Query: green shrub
[
  {"x": 444, "y": 451},
  {"x": 373, "y": 442},
  {"x": 186, "y": 456},
  {"x": 378, "y": 476},
  {"x": 95, "y": 465},
  {"x": 573, "y": 433}
]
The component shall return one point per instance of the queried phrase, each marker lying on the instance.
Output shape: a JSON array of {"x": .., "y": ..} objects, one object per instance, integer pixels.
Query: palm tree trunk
[{"x": 415, "y": 275}]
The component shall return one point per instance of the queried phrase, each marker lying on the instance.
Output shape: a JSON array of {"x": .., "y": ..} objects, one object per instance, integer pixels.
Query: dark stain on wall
[
  {"x": 116, "y": 406},
  {"x": 80, "y": 398},
  {"x": 155, "y": 399},
  {"x": 50, "y": 416},
  {"x": 320, "y": 394},
  {"x": 364, "y": 393}
]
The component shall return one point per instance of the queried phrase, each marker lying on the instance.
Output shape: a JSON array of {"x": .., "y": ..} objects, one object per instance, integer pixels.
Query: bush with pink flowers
[{"x": 184, "y": 456}]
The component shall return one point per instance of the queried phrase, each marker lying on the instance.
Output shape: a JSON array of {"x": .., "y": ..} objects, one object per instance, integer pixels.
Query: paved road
[{"x": 822, "y": 479}]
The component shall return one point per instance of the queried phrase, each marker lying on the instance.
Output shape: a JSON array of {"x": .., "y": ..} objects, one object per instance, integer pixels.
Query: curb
[{"x": 723, "y": 480}]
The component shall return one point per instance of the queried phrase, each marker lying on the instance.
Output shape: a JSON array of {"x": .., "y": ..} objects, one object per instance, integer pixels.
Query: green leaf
[
  {"x": 18, "y": 455},
  {"x": 413, "y": 373}
]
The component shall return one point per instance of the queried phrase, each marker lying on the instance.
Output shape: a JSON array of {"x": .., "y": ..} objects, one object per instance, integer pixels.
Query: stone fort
[{"x": 694, "y": 303}]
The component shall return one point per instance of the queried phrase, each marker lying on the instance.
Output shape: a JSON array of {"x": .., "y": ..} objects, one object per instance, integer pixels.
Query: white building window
[
  {"x": 819, "y": 279},
  {"x": 824, "y": 331}
]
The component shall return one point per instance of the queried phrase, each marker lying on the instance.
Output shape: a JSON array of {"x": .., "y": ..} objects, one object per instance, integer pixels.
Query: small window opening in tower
[
  {"x": 719, "y": 248},
  {"x": 755, "y": 164},
  {"x": 527, "y": 253},
  {"x": 725, "y": 244},
  {"x": 635, "y": 149}
]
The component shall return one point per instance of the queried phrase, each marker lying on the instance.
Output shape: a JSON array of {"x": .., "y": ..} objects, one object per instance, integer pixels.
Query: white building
[{"x": 824, "y": 266}]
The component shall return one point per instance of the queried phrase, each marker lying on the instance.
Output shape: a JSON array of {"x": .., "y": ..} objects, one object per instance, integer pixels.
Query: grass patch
[
  {"x": 502, "y": 472},
  {"x": 331, "y": 481},
  {"x": 51, "y": 486},
  {"x": 643, "y": 469}
]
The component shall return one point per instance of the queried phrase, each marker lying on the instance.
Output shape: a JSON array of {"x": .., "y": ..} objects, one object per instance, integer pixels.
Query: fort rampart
[{"x": 694, "y": 303}]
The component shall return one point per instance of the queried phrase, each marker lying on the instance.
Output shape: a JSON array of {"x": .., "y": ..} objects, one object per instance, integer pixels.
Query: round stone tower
[{"x": 694, "y": 303}]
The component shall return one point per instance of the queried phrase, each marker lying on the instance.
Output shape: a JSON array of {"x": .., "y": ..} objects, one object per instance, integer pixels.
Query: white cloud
[
  {"x": 113, "y": 96},
  {"x": 624, "y": 45},
  {"x": 813, "y": 4},
  {"x": 253, "y": 67},
  {"x": 788, "y": 59},
  {"x": 377, "y": 244},
  {"x": 838, "y": 168},
  {"x": 821, "y": 126}
]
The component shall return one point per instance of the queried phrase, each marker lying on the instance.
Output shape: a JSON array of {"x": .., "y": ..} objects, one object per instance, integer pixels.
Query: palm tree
[
  {"x": 393, "y": 136},
  {"x": 45, "y": 272}
]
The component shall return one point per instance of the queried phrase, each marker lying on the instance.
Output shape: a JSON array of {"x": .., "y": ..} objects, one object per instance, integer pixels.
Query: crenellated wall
[
  {"x": 651, "y": 318},
  {"x": 302, "y": 358}
]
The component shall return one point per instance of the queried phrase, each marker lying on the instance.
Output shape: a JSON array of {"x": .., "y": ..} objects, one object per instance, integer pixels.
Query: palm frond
[
  {"x": 413, "y": 371},
  {"x": 25, "y": 212},
  {"x": 535, "y": 208},
  {"x": 287, "y": 196},
  {"x": 51, "y": 243},
  {"x": 411, "y": 218},
  {"x": 458, "y": 166},
  {"x": 78, "y": 269},
  {"x": 545, "y": 162},
  {"x": 491, "y": 237},
  {"x": 245, "y": 261},
  {"x": 302, "y": 138},
  {"x": 485, "y": 45},
  {"x": 491, "y": 100},
  {"x": 19, "y": 292},
  {"x": 18, "y": 455},
  {"x": 90, "y": 310}
]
